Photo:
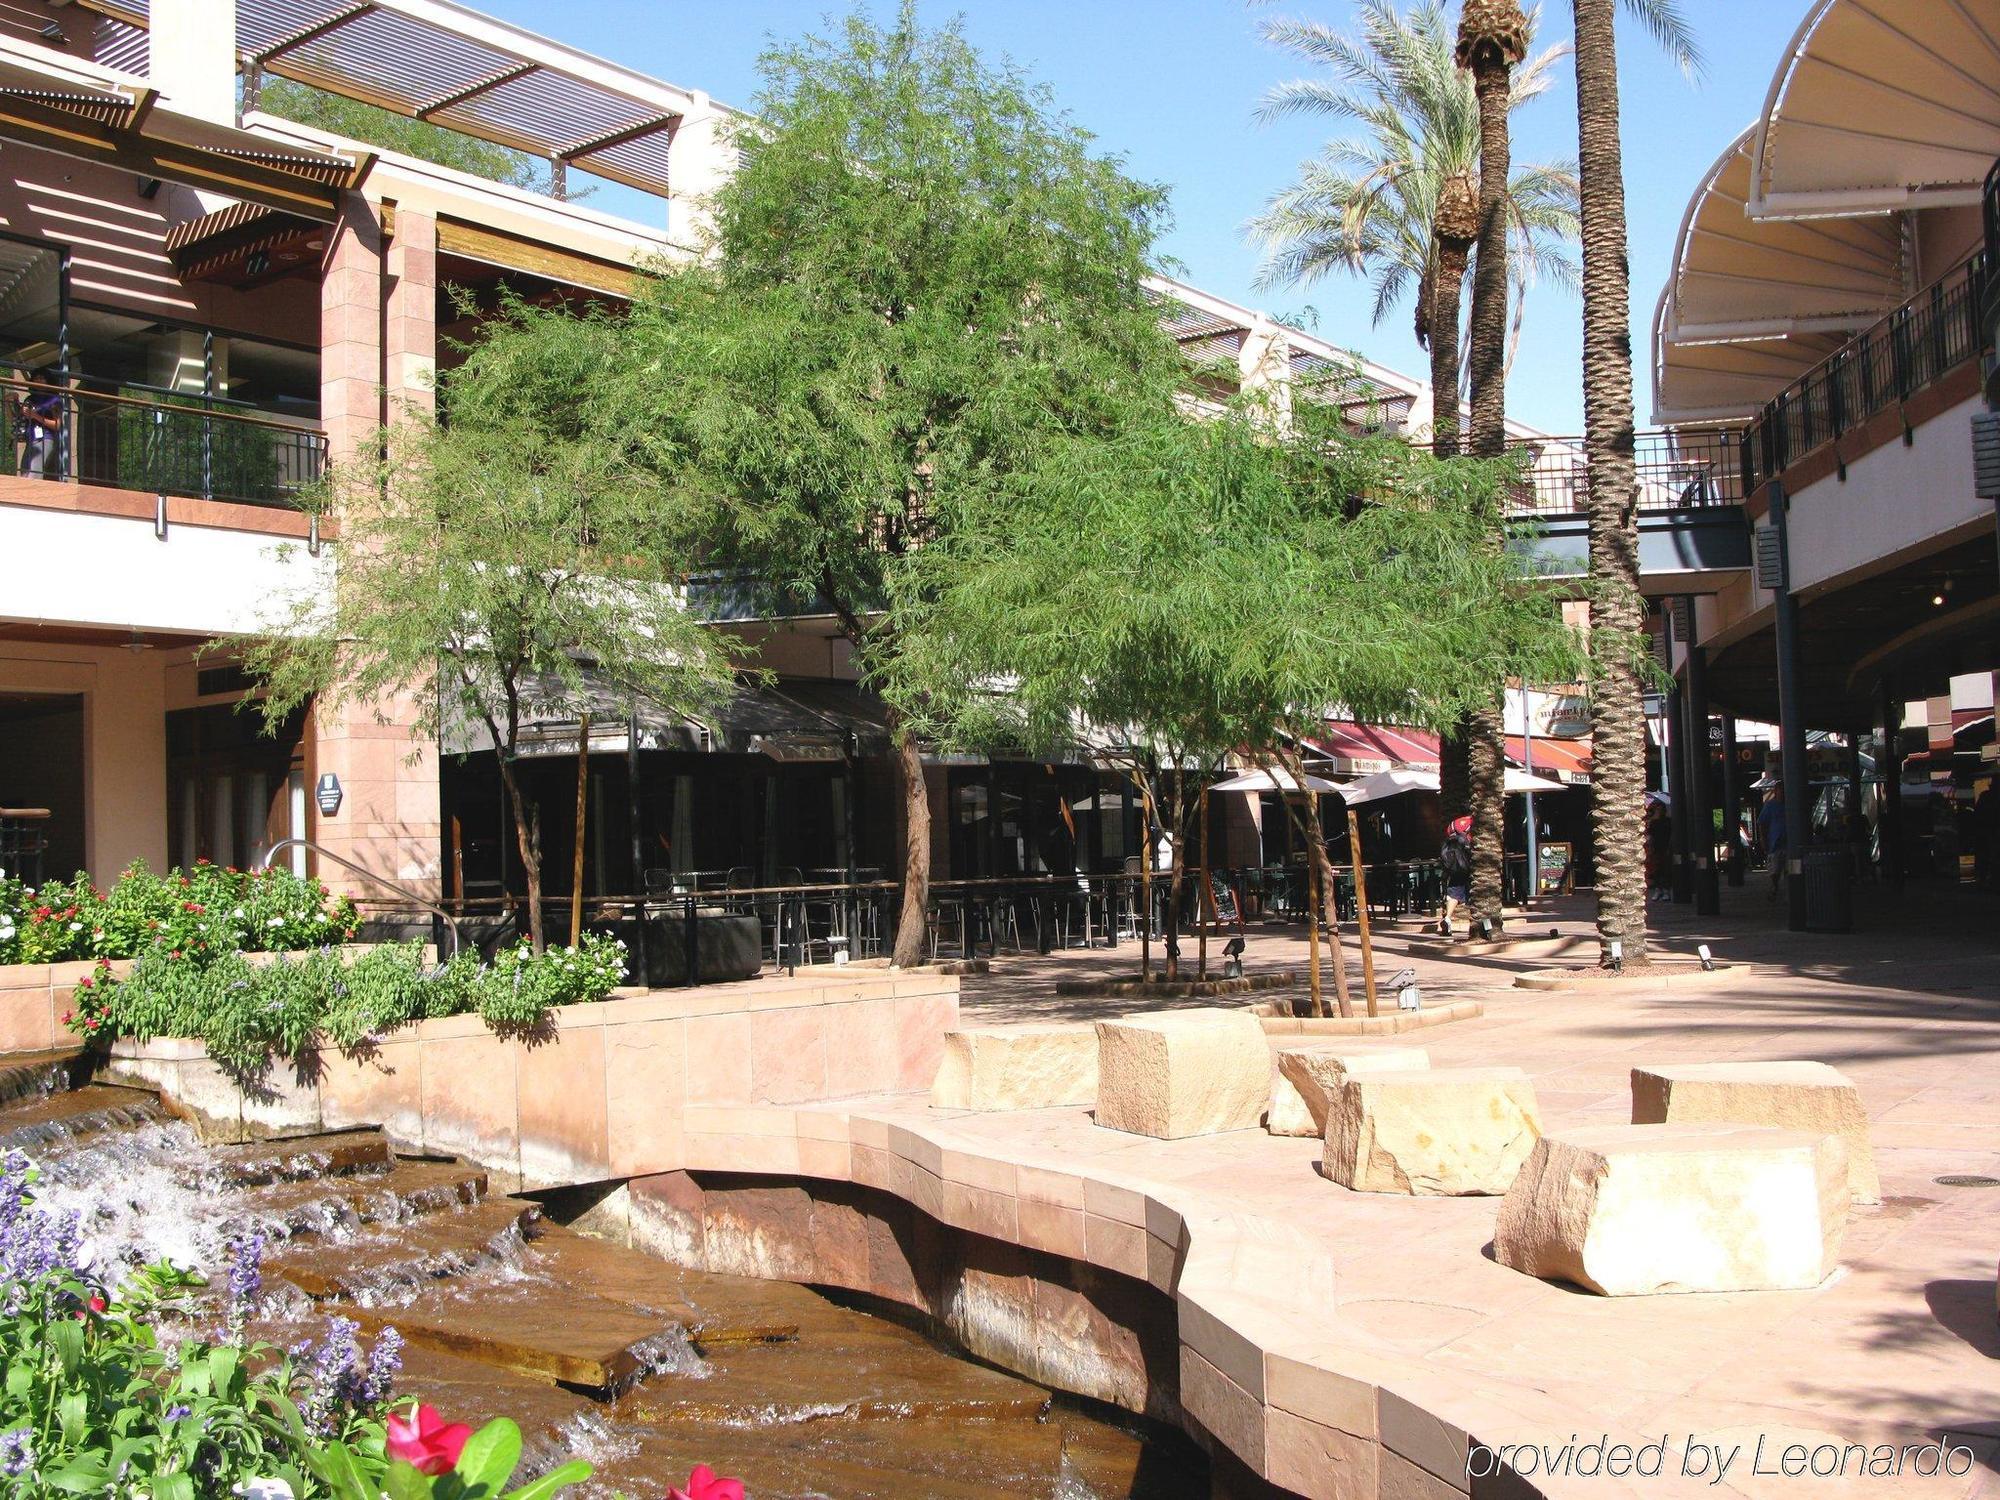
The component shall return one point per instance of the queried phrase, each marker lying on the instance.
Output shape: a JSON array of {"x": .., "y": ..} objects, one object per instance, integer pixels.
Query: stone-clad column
[{"x": 376, "y": 331}]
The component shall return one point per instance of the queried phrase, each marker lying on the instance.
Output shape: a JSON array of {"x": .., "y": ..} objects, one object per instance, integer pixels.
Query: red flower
[
  {"x": 66, "y": 1016},
  {"x": 96, "y": 1304},
  {"x": 194, "y": 906},
  {"x": 426, "y": 1442},
  {"x": 85, "y": 983},
  {"x": 704, "y": 1485}
]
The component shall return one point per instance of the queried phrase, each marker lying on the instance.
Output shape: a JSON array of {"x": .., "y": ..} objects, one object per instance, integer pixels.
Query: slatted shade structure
[
  {"x": 1751, "y": 304},
  {"x": 1881, "y": 104},
  {"x": 451, "y": 66}
]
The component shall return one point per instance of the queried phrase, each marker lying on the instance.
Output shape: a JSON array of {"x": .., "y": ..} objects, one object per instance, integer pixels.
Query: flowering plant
[
  {"x": 93, "y": 1402},
  {"x": 430, "y": 1457},
  {"x": 200, "y": 913}
]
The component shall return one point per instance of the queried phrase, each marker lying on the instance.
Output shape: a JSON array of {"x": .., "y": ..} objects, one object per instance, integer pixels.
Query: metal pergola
[{"x": 445, "y": 64}]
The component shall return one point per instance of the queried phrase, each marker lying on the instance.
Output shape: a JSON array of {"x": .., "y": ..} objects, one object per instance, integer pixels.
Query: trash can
[{"x": 1828, "y": 873}]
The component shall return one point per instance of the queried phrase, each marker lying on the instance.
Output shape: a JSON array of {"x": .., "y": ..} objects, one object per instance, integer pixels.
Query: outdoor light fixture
[
  {"x": 1617, "y": 956},
  {"x": 1707, "y": 959},
  {"x": 1937, "y": 601}
]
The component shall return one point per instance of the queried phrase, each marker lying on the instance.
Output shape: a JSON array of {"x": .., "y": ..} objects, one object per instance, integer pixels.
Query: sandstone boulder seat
[
  {"x": 1033, "y": 1065},
  {"x": 1309, "y": 1074},
  {"x": 1808, "y": 1096},
  {"x": 1627, "y": 1210},
  {"x": 1182, "y": 1072},
  {"x": 1438, "y": 1132}
]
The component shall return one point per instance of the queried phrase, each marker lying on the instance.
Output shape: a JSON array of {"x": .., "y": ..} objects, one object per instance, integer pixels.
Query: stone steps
[
  {"x": 32, "y": 1124},
  {"x": 398, "y": 1260},
  {"x": 337, "y": 1206},
  {"x": 303, "y": 1158},
  {"x": 34, "y": 1075}
]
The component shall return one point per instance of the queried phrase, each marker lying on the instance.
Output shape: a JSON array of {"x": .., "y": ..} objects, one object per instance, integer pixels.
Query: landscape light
[{"x": 1707, "y": 960}]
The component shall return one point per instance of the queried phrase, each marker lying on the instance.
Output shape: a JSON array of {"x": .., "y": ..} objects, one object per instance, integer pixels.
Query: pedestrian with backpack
[{"x": 1456, "y": 857}]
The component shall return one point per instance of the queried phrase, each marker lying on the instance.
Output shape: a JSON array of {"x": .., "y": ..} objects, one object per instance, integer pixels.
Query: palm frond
[{"x": 1670, "y": 30}]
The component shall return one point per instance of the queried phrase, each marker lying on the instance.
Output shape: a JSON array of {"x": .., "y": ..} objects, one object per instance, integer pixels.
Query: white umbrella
[
  {"x": 1391, "y": 783},
  {"x": 1279, "y": 780},
  {"x": 1521, "y": 781},
  {"x": 1395, "y": 782},
  {"x": 1660, "y": 799}
]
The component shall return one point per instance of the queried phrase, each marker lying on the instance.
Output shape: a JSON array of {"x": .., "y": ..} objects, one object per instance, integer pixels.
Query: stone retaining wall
[{"x": 601, "y": 1092}]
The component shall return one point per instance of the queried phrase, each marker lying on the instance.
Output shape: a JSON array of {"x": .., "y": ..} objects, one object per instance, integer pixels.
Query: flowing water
[{"x": 598, "y": 1351}]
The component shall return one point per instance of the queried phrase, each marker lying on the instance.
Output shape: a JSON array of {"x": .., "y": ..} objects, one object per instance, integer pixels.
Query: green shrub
[{"x": 247, "y": 1012}]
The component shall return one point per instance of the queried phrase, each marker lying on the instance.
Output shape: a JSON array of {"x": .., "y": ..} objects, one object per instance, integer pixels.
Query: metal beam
[
  {"x": 308, "y": 33},
  {"x": 617, "y": 137},
  {"x": 473, "y": 91}
]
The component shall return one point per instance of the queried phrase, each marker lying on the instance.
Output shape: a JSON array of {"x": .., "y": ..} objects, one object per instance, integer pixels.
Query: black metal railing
[
  {"x": 1919, "y": 343},
  {"x": 1990, "y": 211},
  {"x": 170, "y": 444},
  {"x": 1676, "y": 471}
]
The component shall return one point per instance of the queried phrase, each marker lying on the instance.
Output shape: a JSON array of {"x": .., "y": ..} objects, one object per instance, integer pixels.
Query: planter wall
[
  {"x": 601, "y": 1092},
  {"x": 34, "y": 998}
]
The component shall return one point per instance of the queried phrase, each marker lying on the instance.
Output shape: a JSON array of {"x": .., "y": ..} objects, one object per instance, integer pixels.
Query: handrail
[
  {"x": 188, "y": 447},
  {"x": 450, "y": 921},
  {"x": 1928, "y": 336},
  {"x": 246, "y": 417},
  {"x": 1683, "y": 469}
]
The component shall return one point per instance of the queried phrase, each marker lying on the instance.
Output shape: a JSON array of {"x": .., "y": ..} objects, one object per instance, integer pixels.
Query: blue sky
[{"x": 1173, "y": 85}]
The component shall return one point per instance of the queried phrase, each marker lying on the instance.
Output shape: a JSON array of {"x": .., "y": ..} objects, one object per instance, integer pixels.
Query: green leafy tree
[
  {"x": 1223, "y": 585},
  {"x": 922, "y": 276},
  {"x": 512, "y": 564}
]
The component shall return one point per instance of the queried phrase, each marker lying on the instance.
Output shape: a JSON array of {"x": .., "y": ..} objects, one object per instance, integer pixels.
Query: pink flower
[
  {"x": 426, "y": 1442},
  {"x": 704, "y": 1485}
]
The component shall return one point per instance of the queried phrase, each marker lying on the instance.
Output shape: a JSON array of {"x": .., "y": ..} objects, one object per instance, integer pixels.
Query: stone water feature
[{"x": 597, "y": 1350}]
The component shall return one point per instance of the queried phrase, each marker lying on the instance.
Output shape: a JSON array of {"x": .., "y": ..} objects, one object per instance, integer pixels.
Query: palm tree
[
  {"x": 1492, "y": 42},
  {"x": 1617, "y": 711},
  {"x": 1370, "y": 205}
]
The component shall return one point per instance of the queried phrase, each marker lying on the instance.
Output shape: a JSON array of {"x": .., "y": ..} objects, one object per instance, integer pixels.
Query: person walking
[
  {"x": 1456, "y": 857},
  {"x": 1771, "y": 819},
  {"x": 1659, "y": 853},
  {"x": 38, "y": 424}
]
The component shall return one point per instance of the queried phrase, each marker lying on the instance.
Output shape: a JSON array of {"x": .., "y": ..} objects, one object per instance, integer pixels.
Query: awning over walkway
[
  {"x": 1567, "y": 761},
  {"x": 1362, "y": 749}
]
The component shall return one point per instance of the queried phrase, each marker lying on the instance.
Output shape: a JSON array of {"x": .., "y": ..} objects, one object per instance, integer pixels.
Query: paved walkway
[{"x": 1899, "y": 1347}]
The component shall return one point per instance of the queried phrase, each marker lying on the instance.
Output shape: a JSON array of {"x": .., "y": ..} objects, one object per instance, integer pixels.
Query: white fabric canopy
[
  {"x": 1391, "y": 783},
  {"x": 1395, "y": 782},
  {"x": 1278, "y": 780}
]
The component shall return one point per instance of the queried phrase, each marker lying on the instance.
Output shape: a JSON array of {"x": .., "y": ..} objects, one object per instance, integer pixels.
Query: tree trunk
[
  {"x": 1177, "y": 812},
  {"x": 1329, "y": 909},
  {"x": 527, "y": 843},
  {"x": 1447, "y": 292},
  {"x": 1617, "y": 712},
  {"x": 1488, "y": 331},
  {"x": 1487, "y": 785},
  {"x": 1487, "y": 761},
  {"x": 1455, "y": 772},
  {"x": 913, "y": 927}
]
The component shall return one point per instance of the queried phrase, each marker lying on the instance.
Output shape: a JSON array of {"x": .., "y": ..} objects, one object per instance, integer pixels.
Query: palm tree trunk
[
  {"x": 1489, "y": 440},
  {"x": 1447, "y": 295},
  {"x": 1617, "y": 713}
]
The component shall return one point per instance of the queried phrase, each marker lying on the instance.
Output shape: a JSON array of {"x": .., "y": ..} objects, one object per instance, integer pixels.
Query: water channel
[{"x": 597, "y": 1350}]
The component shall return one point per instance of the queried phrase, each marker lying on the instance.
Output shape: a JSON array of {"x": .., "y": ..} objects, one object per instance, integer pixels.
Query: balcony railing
[
  {"x": 1990, "y": 212},
  {"x": 1676, "y": 471},
  {"x": 1918, "y": 344},
  {"x": 183, "y": 445}
]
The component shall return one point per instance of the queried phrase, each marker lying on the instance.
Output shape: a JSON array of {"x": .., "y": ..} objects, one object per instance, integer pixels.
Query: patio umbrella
[
  {"x": 1278, "y": 780},
  {"x": 1393, "y": 783},
  {"x": 1521, "y": 781}
]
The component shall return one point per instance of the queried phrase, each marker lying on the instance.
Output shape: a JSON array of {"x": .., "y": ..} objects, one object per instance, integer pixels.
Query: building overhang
[{"x": 1878, "y": 106}]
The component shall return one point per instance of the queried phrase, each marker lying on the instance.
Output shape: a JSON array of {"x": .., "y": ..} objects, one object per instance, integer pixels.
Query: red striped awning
[
  {"x": 1362, "y": 749},
  {"x": 1559, "y": 760}
]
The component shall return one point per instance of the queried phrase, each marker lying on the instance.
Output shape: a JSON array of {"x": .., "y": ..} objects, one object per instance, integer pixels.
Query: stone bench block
[
  {"x": 1182, "y": 1072},
  {"x": 1034, "y": 1065},
  {"x": 1627, "y": 1210},
  {"x": 1309, "y": 1074},
  {"x": 1440, "y": 1132},
  {"x": 1808, "y": 1096}
]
